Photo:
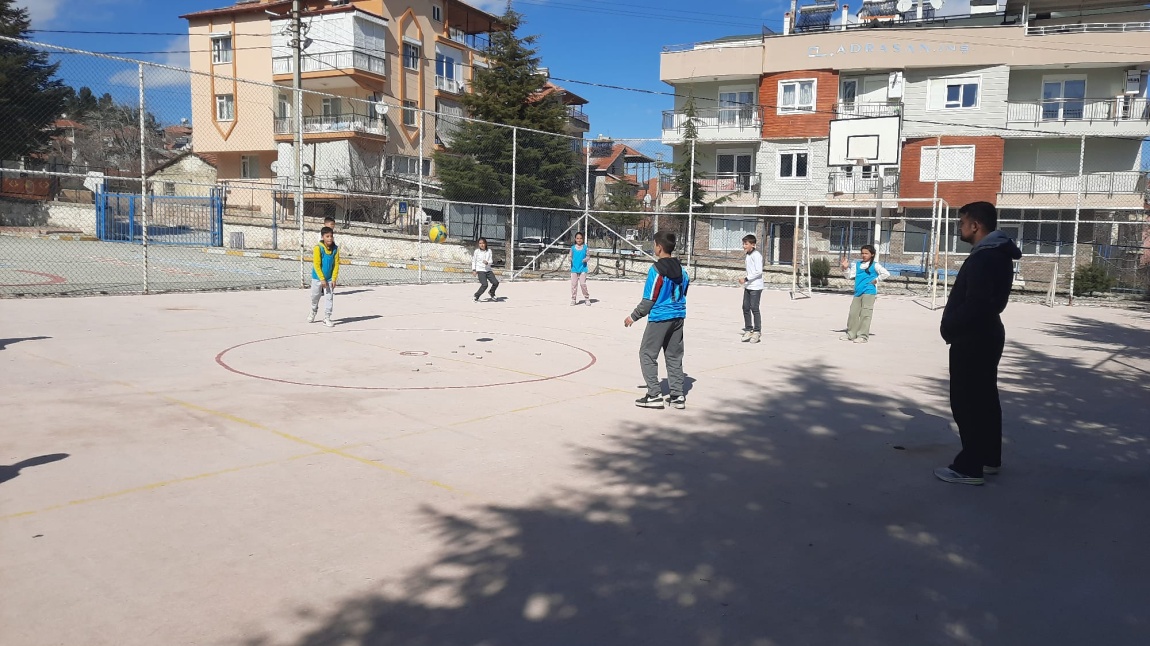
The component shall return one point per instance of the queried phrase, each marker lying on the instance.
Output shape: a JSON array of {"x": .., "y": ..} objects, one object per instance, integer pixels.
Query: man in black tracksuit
[{"x": 972, "y": 327}]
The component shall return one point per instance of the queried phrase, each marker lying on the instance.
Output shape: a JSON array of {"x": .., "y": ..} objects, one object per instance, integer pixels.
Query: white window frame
[
  {"x": 415, "y": 56},
  {"x": 225, "y": 107},
  {"x": 222, "y": 55},
  {"x": 926, "y": 164},
  {"x": 437, "y": 13},
  {"x": 799, "y": 108},
  {"x": 284, "y": 107},
  {"x": 794, "y": 164},
  {"x": 741, "y": 114},
  {"x": 1061, "y": 79},
  {"x": 169, "y": 189},
  {"x": 410, "y": 109},
  {"x": 250, "y": 166},
  {"x": 332, "y": 106},
  {"x": 726, "y": 244},
  {"x": 946, "y": 81}
]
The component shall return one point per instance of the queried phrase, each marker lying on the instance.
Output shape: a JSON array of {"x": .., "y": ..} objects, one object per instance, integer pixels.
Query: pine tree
[
  {"x": 31, "y": 99},
  {"x": 478, "y": 166},
  {"x": 684, "y": 172}
]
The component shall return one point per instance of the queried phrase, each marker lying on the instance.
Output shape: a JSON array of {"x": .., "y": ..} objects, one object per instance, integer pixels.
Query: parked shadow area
[
  {"x": 10, "y": 471},
  {"x": 783, "y": 519},
  {"x": 4, "y": 343}
]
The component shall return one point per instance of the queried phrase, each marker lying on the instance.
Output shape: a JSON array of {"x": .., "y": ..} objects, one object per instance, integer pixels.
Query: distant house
[
  {"x": 577, "y": 121},
  {"x": 612, "y": 163},
  {"x": 186, "y": 175}
]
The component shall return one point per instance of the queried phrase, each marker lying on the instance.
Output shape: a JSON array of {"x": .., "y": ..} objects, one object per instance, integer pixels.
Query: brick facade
[
  {"x": 988, "y": 152},
  {"x": 816, "y": 124}
]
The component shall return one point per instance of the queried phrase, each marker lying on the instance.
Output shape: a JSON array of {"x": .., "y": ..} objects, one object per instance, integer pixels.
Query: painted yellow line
[
  {"x": 233, "y": 252},
  {"x": 273, "y": 256},
  {"x": 159, "y": 485},
  {"x": 376, "y": 263},
  {"x": 413, "y": 267}
]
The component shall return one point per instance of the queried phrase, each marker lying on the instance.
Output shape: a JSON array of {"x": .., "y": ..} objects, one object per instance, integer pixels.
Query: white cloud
[
  {"x": 175, "y": 56},
  {"x": 41, "y": 11}
]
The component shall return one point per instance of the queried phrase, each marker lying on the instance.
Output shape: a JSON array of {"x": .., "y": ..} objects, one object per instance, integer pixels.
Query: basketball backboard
[{"x": 875, "y": 140}]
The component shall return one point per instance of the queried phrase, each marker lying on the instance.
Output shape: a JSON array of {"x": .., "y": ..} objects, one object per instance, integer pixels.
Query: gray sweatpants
[
  {"x": 668, "y": 337},
  {"x": 318, "y": 292}
]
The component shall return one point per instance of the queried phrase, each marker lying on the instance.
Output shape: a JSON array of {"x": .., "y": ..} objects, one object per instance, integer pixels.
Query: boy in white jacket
[
  {"x": 752, "y": 283},
  {"x": 481, "y": 266}
]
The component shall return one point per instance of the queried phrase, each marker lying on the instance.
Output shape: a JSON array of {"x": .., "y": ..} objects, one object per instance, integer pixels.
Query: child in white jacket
[{"x": 481, "y": 265}]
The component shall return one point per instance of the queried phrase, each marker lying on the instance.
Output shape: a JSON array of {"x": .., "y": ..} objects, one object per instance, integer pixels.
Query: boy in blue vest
[
  {"x": 665, "y": 304},
  {"x": 324, "y": 274},
  {"x": 579, "y": 270}
]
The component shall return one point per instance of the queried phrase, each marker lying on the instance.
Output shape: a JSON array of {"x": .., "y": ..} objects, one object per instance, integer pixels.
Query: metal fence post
[
  {"x": 143, "y": 178},
  {"x": 297, "y": 85},
  {"x": 514, "y": 186},
  {"x": 587, "y": 192},
  {"x": 691, "y": 212},
  {"x": 1077, "y": 215},
  {"x": 419, "y": 201}
]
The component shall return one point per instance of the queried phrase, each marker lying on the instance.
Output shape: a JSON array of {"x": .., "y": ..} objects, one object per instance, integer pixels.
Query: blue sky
[{"x": 613, "y": 42}]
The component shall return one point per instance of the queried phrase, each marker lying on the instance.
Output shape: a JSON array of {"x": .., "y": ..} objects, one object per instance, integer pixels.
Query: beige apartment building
[
  {"x": 997, "y": 100},
  {"x": 372, "y": 64}
]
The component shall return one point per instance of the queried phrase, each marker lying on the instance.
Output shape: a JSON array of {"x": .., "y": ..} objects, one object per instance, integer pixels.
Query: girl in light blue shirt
[{"x": 866, "y": 274}]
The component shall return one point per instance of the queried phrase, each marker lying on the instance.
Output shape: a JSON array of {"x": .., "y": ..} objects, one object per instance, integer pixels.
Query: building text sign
[{"x": 912, "y": 49}]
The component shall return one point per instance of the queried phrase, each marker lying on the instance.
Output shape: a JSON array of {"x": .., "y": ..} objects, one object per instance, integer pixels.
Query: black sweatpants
[
  {"x": 484, "y": 277},
  {"x": 752, "y": 319},
  {"x": 975, "y": 404}
]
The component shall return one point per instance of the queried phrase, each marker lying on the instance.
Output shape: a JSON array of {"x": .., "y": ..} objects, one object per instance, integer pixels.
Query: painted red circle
[{"x": 220, "y": 360}]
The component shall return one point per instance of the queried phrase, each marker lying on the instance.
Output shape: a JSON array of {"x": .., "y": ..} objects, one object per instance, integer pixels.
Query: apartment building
[
  {"x": 999, "y": 100},
  {"x": 372, "y": 65}
]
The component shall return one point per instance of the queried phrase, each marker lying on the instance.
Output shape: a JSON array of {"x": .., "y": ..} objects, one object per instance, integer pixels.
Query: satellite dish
[
  {"x": 937, "y": 4},
  {"x": 905, "y": 5},
  {"x": 275, "y": 167},
  {"x": 308, "y": 170},
  {"x": 382, "y": 108}
]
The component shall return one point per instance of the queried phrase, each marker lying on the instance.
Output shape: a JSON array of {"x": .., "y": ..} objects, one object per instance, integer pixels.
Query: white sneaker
[
  {"x": 746, "y": 336},
  {"x": 587, "y": 300},
  {"x": 756, "y": 337},
  {"x": 946, "y": 474},
  {"x": 328, "y": 322},
  {"x": 860, "y": 339},
  {"x": 311, "y": 317},
  {"x": 845, "y": 338},
  {"x": 573, "y": 303}
]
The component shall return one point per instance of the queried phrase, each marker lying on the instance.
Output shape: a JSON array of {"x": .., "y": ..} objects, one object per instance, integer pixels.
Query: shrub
[
  {"x": 1089, "y": 279},
  {"x": 820, "y": 270}
]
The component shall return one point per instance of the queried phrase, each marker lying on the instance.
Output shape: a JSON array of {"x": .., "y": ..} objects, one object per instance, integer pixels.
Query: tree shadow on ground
[
  {"x": 10, "y": 471},
  {"x": 4, "y": 343},
  {"x": 789, "y": 518}
]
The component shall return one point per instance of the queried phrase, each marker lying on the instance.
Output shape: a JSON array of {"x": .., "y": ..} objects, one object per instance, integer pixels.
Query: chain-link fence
[{"x": 112, "y": 191}]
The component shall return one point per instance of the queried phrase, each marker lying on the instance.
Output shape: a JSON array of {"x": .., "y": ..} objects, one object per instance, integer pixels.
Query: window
[
  {"x": 916, "y": 235},
  {"x": 733, "y": 172},
  {"x": 1044, "y": 232},
  {"x": 225, "y": 107},
  {"x": 411, "y": 56},
  {"x": 736, "y": 108},
  {"x": 250, "y": 166},
  {"x": 953, "y": 93},
  {"x": 727, "y": 233},
  {"x": 221, "y": 49},
  {"x": 1063, "y": 99},
  {"x": 405, "y": 165},
  {"x": 796, "y": 96},
  {"x": 437, "y": 14},
  {"x": 409, "y": 108},
  {"x": 332, "y": 107},
  {"x": 955, "y": 164},
  {"x": 849, "y": 92},
  {"x": 848, "y": 236},
  {"x": 284, "y": 107},
  {"x": 170, "y": 189},
  {"x": 962, "y": 95},
  {"x": 794, "y": 165}
]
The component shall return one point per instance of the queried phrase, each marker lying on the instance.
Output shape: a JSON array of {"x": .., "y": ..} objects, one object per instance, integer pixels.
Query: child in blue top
[
  {"x": 665, "y": 306},
  {"x": 324, "y": 274},
  {"x": 579, "y": 270},
  {"x": 866, "y": 273}
]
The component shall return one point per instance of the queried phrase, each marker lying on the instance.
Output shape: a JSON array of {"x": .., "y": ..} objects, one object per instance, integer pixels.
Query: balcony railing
[
  {"x": 331, "y": 62},
  {"x": 855, "y": 183},
  {"x": 448, "y": 85},
  {"x": 1121, "y": 108},
  {"x": 1090, "y": 27},
  {"x": 718, "y": 183},
  {"x": 475, "y": 41},
  {"x": 1108, "y": 183},
  {"x": 339, "y": 123},
  {"x": 858, "y": 109},
  {"x": 576, "y": 114},
  {"x": 716, "y": 121}
]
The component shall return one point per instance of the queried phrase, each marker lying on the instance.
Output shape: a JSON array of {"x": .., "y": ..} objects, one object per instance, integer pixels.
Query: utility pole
[{"x": 297, "y": 83}]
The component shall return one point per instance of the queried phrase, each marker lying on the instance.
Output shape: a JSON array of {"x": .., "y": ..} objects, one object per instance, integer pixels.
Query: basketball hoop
[{"x": 860, "y": 161}]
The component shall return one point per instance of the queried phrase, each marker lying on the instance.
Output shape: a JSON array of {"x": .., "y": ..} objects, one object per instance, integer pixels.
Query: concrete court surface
[
  {"x": 370, "y": 484},
  {"x": 47, "y": 267}
]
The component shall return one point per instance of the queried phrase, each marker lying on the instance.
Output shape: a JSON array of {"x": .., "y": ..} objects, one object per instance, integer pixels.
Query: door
[
  {"x": 736, "y": 108},
  {"x": 1063, "y": 100},
  {"x": 782, "y": 247},
  {"x": 848, "y": 94},
  {"x": 733, "y": 172}
]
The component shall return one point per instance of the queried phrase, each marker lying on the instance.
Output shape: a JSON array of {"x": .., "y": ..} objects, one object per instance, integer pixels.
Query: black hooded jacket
[{"x": 981, "y": 290}]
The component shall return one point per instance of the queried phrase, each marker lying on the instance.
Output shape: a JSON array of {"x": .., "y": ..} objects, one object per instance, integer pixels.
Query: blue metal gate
[{"x": 190, "y": 221}]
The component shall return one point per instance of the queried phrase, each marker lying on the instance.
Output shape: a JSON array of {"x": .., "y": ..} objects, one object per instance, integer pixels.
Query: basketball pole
[
  {"x": 691, "y": 212},
  {"x": 419, "y": 200},
  {"x": 514, "y": 168},
  {"x": 143, "y": 179},
  {"x": 935, "y": 233},
  {"x": 1077, "y": 216}
]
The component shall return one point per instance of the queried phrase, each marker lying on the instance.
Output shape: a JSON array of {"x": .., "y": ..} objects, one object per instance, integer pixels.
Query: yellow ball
[{"x": 437, "y": 233}]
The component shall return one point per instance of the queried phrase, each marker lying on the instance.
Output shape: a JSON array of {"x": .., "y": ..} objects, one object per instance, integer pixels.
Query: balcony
[
  {"x": 333, "y": 127},
  {"x": 445, "y": 84},
  {"x": 1123, "y": 115},
  {"x": 578, "y": 117},
  {"x": 859, "y": 110},
  {"x": 321, "y": 64},
  {"x": 855, "y": 184},
  {"x": 478, "y": 42},
  {"x": 1087, "y": 28},
  {"x": 1106, "y": 184},
  {"x": 737, "y": 188},
  {"x": 715, "y": 124}
]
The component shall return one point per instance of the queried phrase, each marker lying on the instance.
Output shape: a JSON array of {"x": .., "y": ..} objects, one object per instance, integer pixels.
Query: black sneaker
[
  {"x": 678, "y": 401},
  {"x": 647, "y": 401}
]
